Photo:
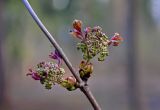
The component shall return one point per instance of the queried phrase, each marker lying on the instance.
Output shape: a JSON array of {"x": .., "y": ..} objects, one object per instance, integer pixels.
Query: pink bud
[
  {"x": 77, "y": 24},
  {"x": 71, "y": 80},
  {"x": 116, "y": 40}
]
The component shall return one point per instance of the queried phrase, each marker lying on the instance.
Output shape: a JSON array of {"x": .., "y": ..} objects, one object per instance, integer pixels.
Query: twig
[{"x": 83, "y": 87}]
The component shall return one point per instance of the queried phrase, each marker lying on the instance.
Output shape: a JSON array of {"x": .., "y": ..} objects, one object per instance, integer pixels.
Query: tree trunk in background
[
  {"x": 132, "y": 7},
  {"x": 2, "y": 81}
]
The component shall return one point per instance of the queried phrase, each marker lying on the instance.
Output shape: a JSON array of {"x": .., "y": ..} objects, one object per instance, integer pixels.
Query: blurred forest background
[{"x": 129, "y": 78}]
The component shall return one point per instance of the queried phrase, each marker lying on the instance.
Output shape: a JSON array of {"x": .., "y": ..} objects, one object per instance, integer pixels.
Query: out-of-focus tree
[
  {"x": 2, "y": 34},
  {"x": 134, "y": 90}
]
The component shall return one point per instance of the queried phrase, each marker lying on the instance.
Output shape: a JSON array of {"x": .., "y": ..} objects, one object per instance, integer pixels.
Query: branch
[{"x": 83, "y": 87}]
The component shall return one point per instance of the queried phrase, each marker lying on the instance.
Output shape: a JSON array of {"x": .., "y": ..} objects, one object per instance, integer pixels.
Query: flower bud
[
  {"x": 56, "y": 55},
  {"x": 76, "y": 34},
  {"x": 34, "y": 75},
  {"x": 71, "y": 80},
  {"x": 116, "y": 40},
  {"x": 69, "y": 83},
  {"x": 87, "y": 30},
  {"x": 85, "y": 70},
  {"x": 77, "y": 31},
  {"x": 77, "y": 25}
]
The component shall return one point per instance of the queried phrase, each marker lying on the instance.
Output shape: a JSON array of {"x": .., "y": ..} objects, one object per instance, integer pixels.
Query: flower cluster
[
  {"x": 50, "y": 73},
  {"x": 93, "y": 42}
]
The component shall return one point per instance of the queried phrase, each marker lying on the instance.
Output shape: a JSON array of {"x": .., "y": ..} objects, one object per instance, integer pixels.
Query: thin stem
[{"x": 84, "y": 88}]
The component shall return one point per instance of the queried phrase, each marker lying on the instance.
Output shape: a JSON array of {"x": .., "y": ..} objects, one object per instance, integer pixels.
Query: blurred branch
[
  {"x": 2, "y": 79},
  {"x": 131, "y": 31},
  {"x": 83, "y": 87}
]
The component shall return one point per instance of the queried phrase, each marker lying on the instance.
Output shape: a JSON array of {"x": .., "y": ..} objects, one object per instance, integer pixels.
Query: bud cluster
[
  {"x": 85, "y": 70},
  {"x": 93, "y": 42},
  {"x": 50, "y": 73}
]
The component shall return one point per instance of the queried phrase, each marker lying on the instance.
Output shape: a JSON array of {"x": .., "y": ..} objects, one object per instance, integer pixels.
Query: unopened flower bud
[
  {"x": 56, "y": 55},
  {"x": 87, "y": 30},
  {"x": 76, "y": 34},
  {"x": 71, "y": 80},
  {"x": 77, "y": 31},
  {"x": 34, "y": 74},
  {"x": 69, "y": 83},
  {"x": 77, "y": 24},
  {"x": 116, "y": 40},
  {"x": 85, "y": 70}
]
